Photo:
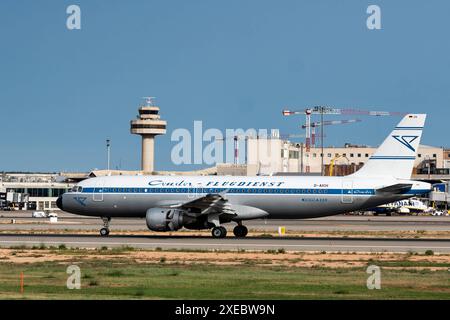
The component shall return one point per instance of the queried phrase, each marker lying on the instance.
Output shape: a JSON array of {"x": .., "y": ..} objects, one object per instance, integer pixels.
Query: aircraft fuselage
[{"x": 280, "y": 197}]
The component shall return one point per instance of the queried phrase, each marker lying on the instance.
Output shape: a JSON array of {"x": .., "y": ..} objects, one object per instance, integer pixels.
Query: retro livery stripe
[
  {"x": 408, "y": 128},
  {"x": 303, "y": 191}
]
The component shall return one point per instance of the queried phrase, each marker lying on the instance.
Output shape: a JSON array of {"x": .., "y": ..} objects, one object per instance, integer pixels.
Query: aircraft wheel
[
  {"x": 104, "y": 232},
  {"x": 219, "y": 232},
  {"x": 240, "y": 231}
]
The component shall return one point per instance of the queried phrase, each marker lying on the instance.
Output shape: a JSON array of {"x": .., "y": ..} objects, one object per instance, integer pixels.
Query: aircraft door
[
  {"x": 97, "y": 193},
  {"x": 347, "y": 191}
]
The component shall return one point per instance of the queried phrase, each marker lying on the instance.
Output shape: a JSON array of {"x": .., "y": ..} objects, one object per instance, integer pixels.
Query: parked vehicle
[
  {"x": 438, "y": 213},
  {"x": 38, "y": 214}
]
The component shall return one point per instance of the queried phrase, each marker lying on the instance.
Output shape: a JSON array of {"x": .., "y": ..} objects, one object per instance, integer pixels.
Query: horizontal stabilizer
[{"x": 399, "y": 188}]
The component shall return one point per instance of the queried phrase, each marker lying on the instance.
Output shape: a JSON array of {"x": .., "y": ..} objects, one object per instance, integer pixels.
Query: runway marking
[{"x": 225, "y": 245}]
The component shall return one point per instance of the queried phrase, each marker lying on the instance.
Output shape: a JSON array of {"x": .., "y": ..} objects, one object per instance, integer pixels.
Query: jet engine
[{"x": 168, "y": 219}]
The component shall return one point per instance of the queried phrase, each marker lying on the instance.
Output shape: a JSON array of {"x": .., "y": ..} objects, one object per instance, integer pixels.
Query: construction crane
[
  {"x": 322, "y": 110},
  {"x": 301, "y": 145},
  {"x": 308, "y": 112},
  {"x": 334, "y": 160},
  {"x": 314, "y": 125},
  {"x": 236, "y": 139},
  {"x": 295, "y": 136},
  {"x": 341, "y": 111}
]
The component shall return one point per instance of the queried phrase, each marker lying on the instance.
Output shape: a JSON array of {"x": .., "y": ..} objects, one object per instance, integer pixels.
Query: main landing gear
[
  {"x": 105, "y": 230},
  {"x": 240, "y": 231},
  {"x": 219, "y": 232}
]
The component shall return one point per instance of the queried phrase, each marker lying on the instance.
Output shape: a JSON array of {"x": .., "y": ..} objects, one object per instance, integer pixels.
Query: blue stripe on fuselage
[
  {"x": 232, "y": 190},
  {"x": 302, "y": 191}
]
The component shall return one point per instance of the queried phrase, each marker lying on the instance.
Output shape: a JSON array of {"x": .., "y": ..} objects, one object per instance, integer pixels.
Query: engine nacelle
[{"x": 164, "y": 219}]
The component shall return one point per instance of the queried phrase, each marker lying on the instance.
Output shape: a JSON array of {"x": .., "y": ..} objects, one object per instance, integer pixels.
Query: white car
[
  {"x": 38, "y": 214},
  {"x": 438, "y": 213}
]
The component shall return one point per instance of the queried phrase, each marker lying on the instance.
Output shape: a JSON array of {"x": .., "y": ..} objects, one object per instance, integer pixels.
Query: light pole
[
  {"x": 321, "y": 140},
  {"x": 427, "y": 157},
  {"x": 108, "y": 151},
  {"x": 301, "y": 157}
]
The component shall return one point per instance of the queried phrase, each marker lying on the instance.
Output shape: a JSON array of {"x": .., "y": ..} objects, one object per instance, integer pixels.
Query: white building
[
  {"x": 42, "y": 189},
  {"x": 276, "y": 155}
]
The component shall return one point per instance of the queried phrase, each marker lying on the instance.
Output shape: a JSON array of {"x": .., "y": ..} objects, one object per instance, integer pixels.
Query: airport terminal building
[{"x": 32, "y": 191}]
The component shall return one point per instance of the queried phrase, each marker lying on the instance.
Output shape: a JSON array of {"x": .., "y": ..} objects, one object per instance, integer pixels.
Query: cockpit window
[{"x": 76, "y": 189}]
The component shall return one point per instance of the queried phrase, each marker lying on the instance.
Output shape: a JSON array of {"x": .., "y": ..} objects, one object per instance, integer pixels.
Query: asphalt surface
[
  {"x": 68, "y": 222},
  {"x": 250, "y": 243}
]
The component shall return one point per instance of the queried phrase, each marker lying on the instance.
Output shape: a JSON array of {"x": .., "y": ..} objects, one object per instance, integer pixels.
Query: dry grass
[
  {"x": 408, "y": 234},
  {"x": 287, "y": 259}
]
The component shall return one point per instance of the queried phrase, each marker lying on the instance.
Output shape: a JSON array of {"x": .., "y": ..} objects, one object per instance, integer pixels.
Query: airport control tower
[{"x": 148, "y": 124}]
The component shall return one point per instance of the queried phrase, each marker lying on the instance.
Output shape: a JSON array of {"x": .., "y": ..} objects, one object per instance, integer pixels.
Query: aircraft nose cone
[{"x": 59, "y": 203}]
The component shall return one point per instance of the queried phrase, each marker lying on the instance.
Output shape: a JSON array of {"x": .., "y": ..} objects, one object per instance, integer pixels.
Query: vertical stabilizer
[{"x": 397, "y": 154}]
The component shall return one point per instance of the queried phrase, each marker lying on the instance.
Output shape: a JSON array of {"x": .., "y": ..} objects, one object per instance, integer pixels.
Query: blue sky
[{"x": 232, "y": 64}]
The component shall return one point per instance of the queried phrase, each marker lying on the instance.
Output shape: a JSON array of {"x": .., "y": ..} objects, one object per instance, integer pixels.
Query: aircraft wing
[
  {"x": 398, "y": 188},
  {"x": 208, "y": 204}
]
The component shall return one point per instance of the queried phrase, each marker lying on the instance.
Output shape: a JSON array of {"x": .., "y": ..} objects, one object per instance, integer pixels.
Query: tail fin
[{"x": 396, "y": 155}]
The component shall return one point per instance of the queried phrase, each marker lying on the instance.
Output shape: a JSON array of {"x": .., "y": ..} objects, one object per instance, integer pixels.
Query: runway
[
  {"x": 251, "y": 243},
  {"x": 67, "y": 221},
  {"x": 15, "y": 234}
]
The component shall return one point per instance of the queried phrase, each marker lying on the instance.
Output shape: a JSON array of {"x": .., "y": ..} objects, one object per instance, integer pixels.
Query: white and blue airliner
[{"x": 169, "y": 203}]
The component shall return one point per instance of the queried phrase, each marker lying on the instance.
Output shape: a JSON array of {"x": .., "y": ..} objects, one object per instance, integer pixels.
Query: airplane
[
  {"x": 169, "y": 203},
  {"x": 409, "y": 206}
]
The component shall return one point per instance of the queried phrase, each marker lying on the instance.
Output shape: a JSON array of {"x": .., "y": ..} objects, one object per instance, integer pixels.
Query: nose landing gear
[{"x": 105, "y": 230}]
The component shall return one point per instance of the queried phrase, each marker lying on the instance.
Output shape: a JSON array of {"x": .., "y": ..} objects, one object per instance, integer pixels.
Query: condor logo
[
  {"x": 80, "y": 200},
  {"x": 406, "y": 141}
]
